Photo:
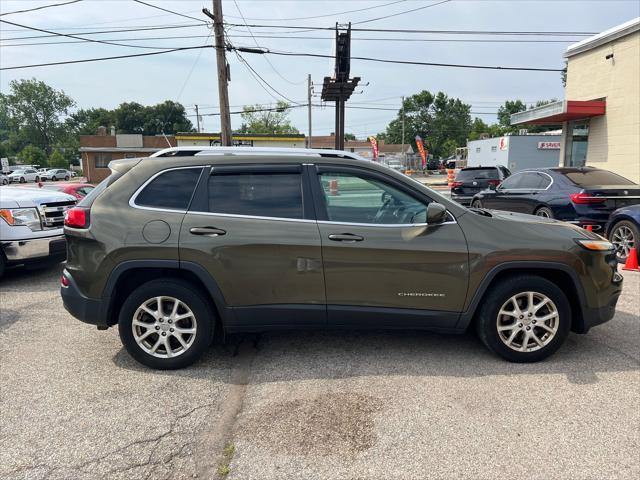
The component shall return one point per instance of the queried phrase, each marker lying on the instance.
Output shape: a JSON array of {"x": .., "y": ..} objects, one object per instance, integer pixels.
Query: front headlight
[{"x": 28, "y": 217}]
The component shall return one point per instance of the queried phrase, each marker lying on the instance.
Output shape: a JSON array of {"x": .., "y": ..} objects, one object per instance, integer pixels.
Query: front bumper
[
  {"x": 47, "y": 248},
  {"x": 85, "y": 309}
]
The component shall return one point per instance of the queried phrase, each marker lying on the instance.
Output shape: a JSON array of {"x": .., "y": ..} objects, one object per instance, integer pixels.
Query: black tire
[
  {"x": 190, "y": 296},
  {"x": 2, "y": 265},
  {"x": 495, "y": 298},
  {"x": 37, "y": 179},
  {"x": 545, "y": 212},
  {"x": 476, "y": 204},
  {"x": 620, "y": 226},
  {"x": 53, "y": 179},
  {"x": 22, "y": 180},
  {"x": 66, "y": 178}
]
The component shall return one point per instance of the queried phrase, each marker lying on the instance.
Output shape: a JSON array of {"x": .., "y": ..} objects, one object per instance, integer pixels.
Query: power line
[
  {"x": 246, "y": 63},
  {"x": 40, "y": 8},
  {"x": 99, "y": 59},
  {"x": 170, "y": 11},
  {"x": 406, "y": 62},
  {"x": 258, "y": 45},
  {"x": 319, "y": 16},
  {"x": 100, "y": 32},
  {"x": 376, "y": 39},
  {"x": 400, "y": 30},
  {"x": 401, "y": 13},
  {"x": 92, "y": 40}
]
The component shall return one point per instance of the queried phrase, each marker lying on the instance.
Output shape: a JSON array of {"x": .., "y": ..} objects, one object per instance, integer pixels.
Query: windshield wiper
[{"x": 481, "y": 211}]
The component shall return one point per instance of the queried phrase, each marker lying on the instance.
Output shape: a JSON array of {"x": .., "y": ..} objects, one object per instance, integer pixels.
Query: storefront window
[{"x": 575, "y": 154}]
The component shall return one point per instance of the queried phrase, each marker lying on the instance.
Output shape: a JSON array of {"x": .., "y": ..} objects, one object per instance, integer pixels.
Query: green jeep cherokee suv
[{"x": 189, "y": 242}]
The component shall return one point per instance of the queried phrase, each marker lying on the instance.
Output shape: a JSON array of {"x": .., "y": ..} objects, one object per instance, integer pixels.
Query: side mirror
[
  {"x": 436, "y": 213},
  {"x": 493, "y": 187}
]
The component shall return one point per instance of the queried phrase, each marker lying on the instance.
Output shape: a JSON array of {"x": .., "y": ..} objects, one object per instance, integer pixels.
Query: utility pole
[
  {"x": 404, "y": 156},
  {"x": 223, "y": 72},
  {"x": 309, "y": 88},
  {"x": 198, "y": 118}
]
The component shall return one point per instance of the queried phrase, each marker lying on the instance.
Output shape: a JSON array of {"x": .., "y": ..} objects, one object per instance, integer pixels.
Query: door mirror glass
[
  {"x": 436, "y": 213},
  {"x": 493, "y": 187}
]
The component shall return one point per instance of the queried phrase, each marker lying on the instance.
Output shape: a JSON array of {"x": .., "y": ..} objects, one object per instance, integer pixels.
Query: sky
[{"x": 190, "y": 76}]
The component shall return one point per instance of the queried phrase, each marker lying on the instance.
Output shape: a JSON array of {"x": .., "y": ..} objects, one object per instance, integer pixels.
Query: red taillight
[
  {"x": 456, "y": 184},
  {"x": 64, "y": 281},
  {"x": 77, "y": 217},
  {"x": 494, "y": 182},
  {"x": 585, "y": 199}
]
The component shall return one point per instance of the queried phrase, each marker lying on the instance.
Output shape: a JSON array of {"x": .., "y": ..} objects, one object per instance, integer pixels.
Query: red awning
[{"x": 558, "y": 112}]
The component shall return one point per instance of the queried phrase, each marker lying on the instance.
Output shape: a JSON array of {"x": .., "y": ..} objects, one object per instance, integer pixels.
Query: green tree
[
  {"x": 87, "y": 121},
  {"x": 57, "y": 160},
  {"x": 37, "y": 110},
  {"x": 509, "y": 108},
  {"x": 32, "y": 155},
  {"x": 441, "y": 121},
  {"x": 167, "y": 117},
  {"x": 261, "y": 119},
  {"x": 349, "y": 136}
]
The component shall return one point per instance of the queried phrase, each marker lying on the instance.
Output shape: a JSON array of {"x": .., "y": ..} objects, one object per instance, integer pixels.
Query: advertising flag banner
[
  {"x": 374, "y": 147},
  {"x": 423, "y": 153}
]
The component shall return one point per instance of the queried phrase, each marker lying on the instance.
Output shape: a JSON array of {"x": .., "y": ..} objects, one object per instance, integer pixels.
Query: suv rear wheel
[
  {"x": 166, "y": 324},
  {"x": 524, "y": 319}
]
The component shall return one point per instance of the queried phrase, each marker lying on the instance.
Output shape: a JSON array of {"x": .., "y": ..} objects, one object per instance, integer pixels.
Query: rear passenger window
[
  {"x": 257, "y": 194},
  {"x": 170, "y": 190}
]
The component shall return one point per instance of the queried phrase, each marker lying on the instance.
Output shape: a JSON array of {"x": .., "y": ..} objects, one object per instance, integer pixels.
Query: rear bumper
[
  {"x": 37, "y": 249},
  {"x": 85, "y": 309}
]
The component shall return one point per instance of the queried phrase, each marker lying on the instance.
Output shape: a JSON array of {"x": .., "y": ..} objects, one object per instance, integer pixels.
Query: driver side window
[{"x": 354, "y": 199}]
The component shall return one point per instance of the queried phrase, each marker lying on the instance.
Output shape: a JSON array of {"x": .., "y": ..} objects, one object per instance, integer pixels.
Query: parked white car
[
  {"x": 55, "y": 174},
  {"x": 23, "y": 175},
  {"x": 31, "y": 226}
]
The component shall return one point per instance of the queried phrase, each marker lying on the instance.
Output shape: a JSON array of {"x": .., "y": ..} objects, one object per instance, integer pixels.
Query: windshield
[{"x": 588, "y": 178}]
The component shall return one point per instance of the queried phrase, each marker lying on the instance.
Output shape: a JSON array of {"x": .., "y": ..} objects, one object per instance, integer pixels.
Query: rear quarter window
[{"x": 170, "y": 190}]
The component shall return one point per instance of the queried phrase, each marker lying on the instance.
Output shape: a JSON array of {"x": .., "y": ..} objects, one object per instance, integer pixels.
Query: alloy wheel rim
[
  {"x": 164, "y": 327},
  {"x": 527, "y": 321},
  {"x": 623, "y": 241},
  {"x": 543, "y": 213}
]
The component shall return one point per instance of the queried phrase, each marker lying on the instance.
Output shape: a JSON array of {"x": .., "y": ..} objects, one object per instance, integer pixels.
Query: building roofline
[
  {"x": 120, "y": 149},
  {"x": 602, "y": 38}
]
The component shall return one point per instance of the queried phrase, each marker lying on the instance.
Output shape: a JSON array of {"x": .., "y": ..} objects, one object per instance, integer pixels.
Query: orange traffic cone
[
  {"x": 589, "y": 228},
  {"x": 632, "y": 261}
]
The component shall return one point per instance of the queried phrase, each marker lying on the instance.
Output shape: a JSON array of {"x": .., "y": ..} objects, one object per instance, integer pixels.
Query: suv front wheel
[
  {"x": 524, "y": 319},
  {"x": 166, "y": 324}
]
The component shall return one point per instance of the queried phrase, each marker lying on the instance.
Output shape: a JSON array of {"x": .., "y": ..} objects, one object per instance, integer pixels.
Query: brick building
[{"x": 97, "y": 151}]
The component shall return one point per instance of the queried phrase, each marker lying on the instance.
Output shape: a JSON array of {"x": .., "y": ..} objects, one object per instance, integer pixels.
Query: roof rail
[{"x": 190, "y": 151}]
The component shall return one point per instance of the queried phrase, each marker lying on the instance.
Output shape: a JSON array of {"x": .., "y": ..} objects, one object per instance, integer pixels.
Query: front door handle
[
  {"x": 345, "y": 237},
  {"x": 207, "y": 231}
]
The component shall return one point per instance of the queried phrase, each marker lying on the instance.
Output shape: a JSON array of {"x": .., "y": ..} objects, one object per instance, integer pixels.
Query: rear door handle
[
  {"x": 345, "y": 237},
  {"x": 207, "y": 231}
]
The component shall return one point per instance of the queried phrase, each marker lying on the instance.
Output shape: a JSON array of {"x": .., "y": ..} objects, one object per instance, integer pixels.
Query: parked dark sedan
[
  {"x": 623, "y": 230},
  {"x": 472, "y": 180},
  {"x": 580, "y": 195}
]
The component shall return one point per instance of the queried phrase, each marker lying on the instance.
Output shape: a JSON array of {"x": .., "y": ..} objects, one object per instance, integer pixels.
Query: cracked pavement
[{"x": 307, "y": 405}]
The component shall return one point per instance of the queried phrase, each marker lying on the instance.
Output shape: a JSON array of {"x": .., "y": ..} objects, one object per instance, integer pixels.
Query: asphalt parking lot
[{"x": 334, "y": 405}]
